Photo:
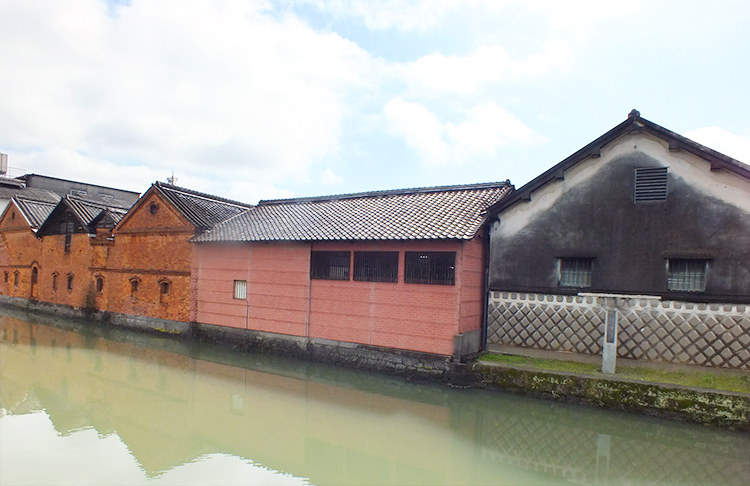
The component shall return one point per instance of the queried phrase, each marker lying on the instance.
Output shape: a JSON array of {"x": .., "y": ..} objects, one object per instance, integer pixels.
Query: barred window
[
  {"x": 575, "y": 272},
  {"x": 687, "y": 275},
  {"x": 240, "y": 289},
  {"x": 430, "y": 267},
  {"x": 376, "y": 266},
  {"x": 330, "y": 265}
]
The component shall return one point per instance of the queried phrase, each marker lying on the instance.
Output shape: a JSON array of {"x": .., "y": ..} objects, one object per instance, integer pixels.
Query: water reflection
[{"x": 128, "y": 408}]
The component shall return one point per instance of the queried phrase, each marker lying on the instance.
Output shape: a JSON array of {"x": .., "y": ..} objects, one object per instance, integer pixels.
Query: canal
[{"x": 86, "y": 404}]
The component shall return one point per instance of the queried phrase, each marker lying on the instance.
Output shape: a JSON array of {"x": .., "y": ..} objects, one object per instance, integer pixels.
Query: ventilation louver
[{"x": 651, "y": 184}]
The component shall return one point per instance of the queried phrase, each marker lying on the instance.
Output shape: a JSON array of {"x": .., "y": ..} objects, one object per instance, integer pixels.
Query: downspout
[
  {"x": 485, "y": 286},
  {"x": 309, "y": 293}
]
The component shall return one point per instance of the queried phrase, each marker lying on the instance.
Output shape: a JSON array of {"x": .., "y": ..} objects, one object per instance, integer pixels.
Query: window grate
[
  {"x": 651, "y": 184},
  {"x": 240, "y": 289},
  {"x": 430, "y": 267},
  {"x": 376, "y": 266},
  {"x": 575, "y": 272},
  {"x": 330, "y": 265},
  {"x": 686, "y": 275}
]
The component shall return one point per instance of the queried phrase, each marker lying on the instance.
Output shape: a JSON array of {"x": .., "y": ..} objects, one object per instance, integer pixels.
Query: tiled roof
[
  {"x": 449, "y": 212},
  {"x": 30, "y": 193},
  {"x": 86, "y": 208},
  {"x": 35, "y": 212},
  {"x": 204, "y": 211}
]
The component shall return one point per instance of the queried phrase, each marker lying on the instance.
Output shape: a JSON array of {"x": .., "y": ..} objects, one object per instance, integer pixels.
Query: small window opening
[
  {"x": 15, "y": 279},
  {"x": 163, "y": 291},
  {"x": 34, "y": 275},
  {"x": 575, "y": 272},
  {"x": 650, "y": 184},
  {"x": 430, "y": 267},
  {"x": 54, "y": 282},
  {"x": 153, "y": 208},
  {"x": 99, "y": 284},
  {"x": 134, "y": 283},
  {"x": 6, "y": 277},
  {"x": 686, "y": 275},
  {"x": 70, "y": 281},
  {"x": 13, "y": 216},
  {"x": 68, "y": 240},
  {"x": 376, "y": 266},
  {"x": 240, "y": 289},
  {"x": 330, "y": 265}
]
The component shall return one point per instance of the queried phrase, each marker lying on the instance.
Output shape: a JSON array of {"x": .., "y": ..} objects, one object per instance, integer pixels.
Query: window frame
[
  {"x": 685, "y": 276},
  {"x": 322, "y": 265},
  {"x": 424, "y": 267},
  {"x": 578, "y": 277},
  {"x": 376, "y": 266},
  {"x": 240, "y": 289}
]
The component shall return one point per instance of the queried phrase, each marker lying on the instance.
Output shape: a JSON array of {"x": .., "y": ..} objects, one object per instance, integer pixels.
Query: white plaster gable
[{"x": 694, "y": 170}]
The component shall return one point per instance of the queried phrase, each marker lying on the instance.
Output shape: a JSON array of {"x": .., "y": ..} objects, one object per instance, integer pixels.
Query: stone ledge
[{"x": 711, "y": 407}]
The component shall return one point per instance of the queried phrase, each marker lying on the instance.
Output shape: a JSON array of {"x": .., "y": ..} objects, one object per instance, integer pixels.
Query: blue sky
[{"x": 266, "y": 99}]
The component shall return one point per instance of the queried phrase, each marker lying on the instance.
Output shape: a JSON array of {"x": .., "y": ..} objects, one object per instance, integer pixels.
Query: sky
[{"x": 263, "y": 99}]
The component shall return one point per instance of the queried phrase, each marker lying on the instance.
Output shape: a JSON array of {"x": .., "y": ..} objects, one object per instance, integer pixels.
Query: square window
[
  {"x": 575, "y": 272},
  {"x": 376, "y": 266},
  {"x": 686, "y": 275},
  {"x": 430, "y": 267},
  {"x": 330, "y": 265},
  {"x": 240, "y": 289}
]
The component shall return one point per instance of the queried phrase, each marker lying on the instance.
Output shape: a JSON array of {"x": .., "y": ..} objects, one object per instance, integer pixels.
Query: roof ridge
[
  {"x": 387, "y": 192},
  {"x": 191, "y": 192}
]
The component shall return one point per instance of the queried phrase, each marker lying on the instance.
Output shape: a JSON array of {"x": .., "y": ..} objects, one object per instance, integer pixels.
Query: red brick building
[
  {"x": 146, "y": 271},
  {"x": 394, "y": 269},
  {"x": 75, "y": 238},
  {"x": 20, "y": 249}
]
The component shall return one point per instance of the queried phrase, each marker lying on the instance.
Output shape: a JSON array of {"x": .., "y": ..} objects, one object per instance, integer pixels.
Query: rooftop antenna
[{"x": 171, "y": 180}]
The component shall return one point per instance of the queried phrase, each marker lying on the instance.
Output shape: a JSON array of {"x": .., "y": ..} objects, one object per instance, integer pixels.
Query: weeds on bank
[{"x": 714, "y": 381}]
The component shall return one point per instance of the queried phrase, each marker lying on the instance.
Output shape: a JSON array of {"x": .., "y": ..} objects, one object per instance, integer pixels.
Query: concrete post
[{"x": 609, "y": 348}]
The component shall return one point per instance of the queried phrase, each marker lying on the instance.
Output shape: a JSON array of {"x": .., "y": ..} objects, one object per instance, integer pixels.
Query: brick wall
[
  {"x": 19, "y": 250},
  {"x": 151, "y": 248},
  {"x": 277, "y": 286},
  {"x": 414, "y": 317}
]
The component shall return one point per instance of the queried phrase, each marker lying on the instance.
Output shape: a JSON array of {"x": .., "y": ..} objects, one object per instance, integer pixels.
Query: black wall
[{"x": 629, "y": 242}]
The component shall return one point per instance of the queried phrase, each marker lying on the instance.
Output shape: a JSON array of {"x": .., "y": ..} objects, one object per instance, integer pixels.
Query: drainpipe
[
  {"x": 485, "y": 288},
  {"x": 309, "y": 290}
]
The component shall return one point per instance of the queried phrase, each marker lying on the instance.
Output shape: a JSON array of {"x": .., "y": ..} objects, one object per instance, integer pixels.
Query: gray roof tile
[
  {"x": 203, "y": 211},
  {"x": 449, "y": 212}
]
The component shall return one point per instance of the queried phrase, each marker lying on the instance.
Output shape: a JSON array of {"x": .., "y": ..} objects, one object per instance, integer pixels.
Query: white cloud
[
  {"x": 422, "y": 15},
  {"x": 191, "y": 86},
  {"x": 728, "y": 143},
  {"x": 329, "y": 178},
  {"x": 438, "y": 73},
  {"x": 486, "y": 128}
]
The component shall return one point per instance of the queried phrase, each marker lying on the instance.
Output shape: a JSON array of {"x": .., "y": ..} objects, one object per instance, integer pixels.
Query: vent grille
[{"x": 651, "y": 184}]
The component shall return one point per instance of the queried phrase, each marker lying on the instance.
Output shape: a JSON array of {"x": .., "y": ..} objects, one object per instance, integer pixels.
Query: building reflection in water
[{"x": 173, "y": 403}]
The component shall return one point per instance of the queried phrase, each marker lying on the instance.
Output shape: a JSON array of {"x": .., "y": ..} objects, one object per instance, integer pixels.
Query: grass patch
[{"x": 702, "y": 379}]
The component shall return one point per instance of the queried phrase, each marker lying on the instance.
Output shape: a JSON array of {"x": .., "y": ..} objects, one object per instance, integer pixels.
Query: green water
[{"x": 84, "y": 404}]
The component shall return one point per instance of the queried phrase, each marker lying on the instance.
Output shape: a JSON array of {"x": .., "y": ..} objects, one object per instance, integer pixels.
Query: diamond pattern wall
[{"x": 649, "y": 329}]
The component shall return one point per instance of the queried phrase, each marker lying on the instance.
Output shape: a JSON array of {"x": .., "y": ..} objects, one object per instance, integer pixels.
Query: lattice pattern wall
[{"x": 679, "y": 332}]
